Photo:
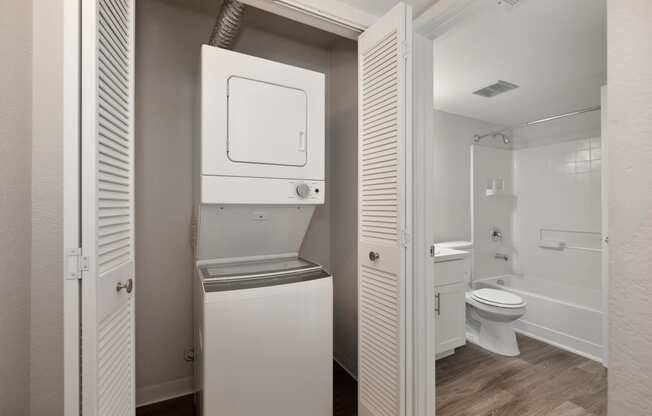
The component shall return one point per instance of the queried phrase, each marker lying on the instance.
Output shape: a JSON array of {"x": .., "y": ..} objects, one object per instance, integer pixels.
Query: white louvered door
[
  {"x": 108, "y": 382},
  {"x": 384, "y": 166}
]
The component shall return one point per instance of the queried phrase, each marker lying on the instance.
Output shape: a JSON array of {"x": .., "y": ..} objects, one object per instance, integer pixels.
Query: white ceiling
[
  {"x": 555, "y": 50},
  {"x": 374, "y": 7},
  {"x": 380, "y": 7}
]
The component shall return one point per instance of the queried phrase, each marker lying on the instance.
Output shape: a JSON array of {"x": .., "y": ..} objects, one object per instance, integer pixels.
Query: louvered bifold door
[
  {"x": 108, "y": 208},
  {"x": 384, "y": 122}
]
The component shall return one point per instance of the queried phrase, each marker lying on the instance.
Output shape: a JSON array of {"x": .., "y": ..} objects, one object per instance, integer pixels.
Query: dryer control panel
[{"x": 263, "y": 191}]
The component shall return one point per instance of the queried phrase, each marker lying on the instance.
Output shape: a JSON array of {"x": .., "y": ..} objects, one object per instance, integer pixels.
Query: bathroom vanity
[{"x": 452, "y": 271}]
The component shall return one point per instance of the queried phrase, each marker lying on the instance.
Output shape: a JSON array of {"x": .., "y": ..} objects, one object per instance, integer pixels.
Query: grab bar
[
  {"x": 560, "y": 245},
  {"x": 594, "y": 250}
]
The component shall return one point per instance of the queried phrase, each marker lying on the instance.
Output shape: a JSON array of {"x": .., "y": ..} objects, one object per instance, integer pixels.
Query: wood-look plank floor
[
  {"x": 542, "y": 381},
  {"x": 345, "y": 397}
]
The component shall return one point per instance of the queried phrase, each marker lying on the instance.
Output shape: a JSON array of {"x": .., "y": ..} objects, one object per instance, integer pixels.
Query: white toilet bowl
[{"x": 489, "y": 317}]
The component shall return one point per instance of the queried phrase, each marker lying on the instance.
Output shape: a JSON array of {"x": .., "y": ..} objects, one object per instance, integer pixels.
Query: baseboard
[
  {"x": 165, "y": 391},
  {"x": 560, "y": 340}
]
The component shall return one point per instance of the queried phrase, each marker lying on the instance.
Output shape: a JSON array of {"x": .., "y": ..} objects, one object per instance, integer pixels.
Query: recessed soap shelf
[{"x": 495, "y": 186}]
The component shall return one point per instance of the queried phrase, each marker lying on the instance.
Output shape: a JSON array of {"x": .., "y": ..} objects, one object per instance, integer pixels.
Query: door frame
[
  {"x": 604, "y": 144},
  {"x": 423, "y": 282},
  {"x": 71, "y": 168},
  {"x": 436, "y": 21}
]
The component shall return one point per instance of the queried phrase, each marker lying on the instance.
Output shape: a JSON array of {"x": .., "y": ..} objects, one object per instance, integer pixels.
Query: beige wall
[
  {"x": 167, "y": 47},
  {"x": 46, "y": 331},
  {"x": 15, "y": 208},
  {"x": 629, "y": 132},
  {"x": 343, "y": 187}
]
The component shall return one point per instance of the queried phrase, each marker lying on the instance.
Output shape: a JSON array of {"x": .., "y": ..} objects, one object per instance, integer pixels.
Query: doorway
[{"x": 518, "y": 190}]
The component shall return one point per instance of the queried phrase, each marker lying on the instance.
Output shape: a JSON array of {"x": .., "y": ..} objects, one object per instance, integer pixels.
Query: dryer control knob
[{"x": 302, "y": 190}]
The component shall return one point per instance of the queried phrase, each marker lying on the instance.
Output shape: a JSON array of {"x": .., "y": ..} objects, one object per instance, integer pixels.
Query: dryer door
[{"x": 267, "y": 123}]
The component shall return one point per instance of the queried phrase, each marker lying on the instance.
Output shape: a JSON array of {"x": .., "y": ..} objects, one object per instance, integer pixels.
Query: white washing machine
[
  {"x": 263, "y": 316},
  {"x": 265, "y": 338}
]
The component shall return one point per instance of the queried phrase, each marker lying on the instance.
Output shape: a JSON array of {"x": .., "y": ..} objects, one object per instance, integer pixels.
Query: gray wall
[
  {"x": 15, "y": 204},
  {"x": 167, "y": 47},
  {"x": 46, "y": 331},
  {"x": 629, "y": 132},
  {"x": 452, "y": 159},
  {"x": 344, "y": 204},
  {"x": 166, "y": 72}
]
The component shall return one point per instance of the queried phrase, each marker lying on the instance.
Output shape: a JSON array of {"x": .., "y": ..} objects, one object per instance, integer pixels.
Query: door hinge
[
  {"x": 405, "y": 49},
  {"x": 75, "y": 264},
  {"x": 405, "y": 238}
]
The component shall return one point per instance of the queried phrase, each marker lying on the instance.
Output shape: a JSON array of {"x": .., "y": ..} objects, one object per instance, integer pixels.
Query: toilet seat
[{"x": 498, "y": 298}]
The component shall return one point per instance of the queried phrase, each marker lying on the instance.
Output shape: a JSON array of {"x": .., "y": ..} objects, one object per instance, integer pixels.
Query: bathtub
[{"x": 572, "y": 321}]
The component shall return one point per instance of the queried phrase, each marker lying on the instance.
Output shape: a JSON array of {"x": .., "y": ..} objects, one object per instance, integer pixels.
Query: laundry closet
[
  {"x": 249, "y": 205},
  {"x": 253, "y": 199}
]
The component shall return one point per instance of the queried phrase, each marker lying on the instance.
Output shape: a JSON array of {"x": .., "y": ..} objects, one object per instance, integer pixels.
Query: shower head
[{"x": 505, "y": 138}]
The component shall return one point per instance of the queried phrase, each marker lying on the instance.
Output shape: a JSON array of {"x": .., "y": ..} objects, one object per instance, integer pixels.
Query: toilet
[
  {"x": 489, "y": 317},
  {"x": 490, "y": 313}
]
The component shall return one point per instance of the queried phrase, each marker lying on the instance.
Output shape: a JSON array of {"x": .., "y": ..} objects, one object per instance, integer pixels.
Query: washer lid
[
  {"x": 500, "y": 298},
  {"x": 256, "y": 268}
]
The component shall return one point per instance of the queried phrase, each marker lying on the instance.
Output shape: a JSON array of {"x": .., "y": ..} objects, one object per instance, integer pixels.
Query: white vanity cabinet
[{"x": 452, "y": 268}]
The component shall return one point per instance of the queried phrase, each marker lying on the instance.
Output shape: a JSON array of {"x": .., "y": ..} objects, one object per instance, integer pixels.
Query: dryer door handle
[{"x": 302, "y": 141}]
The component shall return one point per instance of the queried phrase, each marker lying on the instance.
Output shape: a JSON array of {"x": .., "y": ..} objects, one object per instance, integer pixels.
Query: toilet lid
[{"x": 500, "y": 298}]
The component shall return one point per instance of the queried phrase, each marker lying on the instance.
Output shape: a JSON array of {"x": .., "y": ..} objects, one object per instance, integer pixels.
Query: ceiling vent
[
  {"x": 509, "y": 3},
  {"x": 493, "y": 90}
]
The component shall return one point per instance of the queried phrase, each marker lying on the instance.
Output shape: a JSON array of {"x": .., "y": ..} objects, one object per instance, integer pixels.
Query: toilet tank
[{"x": 456, "y": 245}]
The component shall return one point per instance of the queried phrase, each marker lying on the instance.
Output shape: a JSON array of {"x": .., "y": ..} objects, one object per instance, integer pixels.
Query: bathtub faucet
[{"x": 501, "y": 256}]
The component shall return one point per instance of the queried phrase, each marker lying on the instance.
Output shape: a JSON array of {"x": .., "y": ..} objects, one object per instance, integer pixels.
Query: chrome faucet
[{"x": 501, "y": 256}]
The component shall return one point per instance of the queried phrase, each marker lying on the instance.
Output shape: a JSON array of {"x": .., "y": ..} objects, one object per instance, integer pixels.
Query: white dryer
[{"x": 261, "y": 131}]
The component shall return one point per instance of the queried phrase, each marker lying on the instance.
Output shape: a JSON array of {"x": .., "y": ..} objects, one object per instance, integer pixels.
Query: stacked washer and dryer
[{"x": 263, "y": 315}]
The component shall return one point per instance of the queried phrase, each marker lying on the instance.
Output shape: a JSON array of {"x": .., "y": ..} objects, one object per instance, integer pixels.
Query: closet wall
[
  {"x": 167, "y": 56},
  {"x": 343, "y": 186},
  {"x": 15, "y": 205},
  {"x": 167, "y": 49}
]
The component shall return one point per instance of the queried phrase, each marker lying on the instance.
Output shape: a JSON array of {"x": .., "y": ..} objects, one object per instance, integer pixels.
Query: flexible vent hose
[{"x": 227, "y": 24}]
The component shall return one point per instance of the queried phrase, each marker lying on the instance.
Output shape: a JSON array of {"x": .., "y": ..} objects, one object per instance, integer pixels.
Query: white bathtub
[{"x": 573, "y": 323}]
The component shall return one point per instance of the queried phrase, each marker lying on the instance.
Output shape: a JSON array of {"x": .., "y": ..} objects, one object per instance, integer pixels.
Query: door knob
[
  {"x": 129, "y": 286},
  {"x": 373, "y": 255}
]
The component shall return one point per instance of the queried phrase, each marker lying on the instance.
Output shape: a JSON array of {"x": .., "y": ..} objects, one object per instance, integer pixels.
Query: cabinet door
[
  {"x": 452, "y": 271},
  {"x": 450, "y": 310}
]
